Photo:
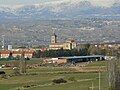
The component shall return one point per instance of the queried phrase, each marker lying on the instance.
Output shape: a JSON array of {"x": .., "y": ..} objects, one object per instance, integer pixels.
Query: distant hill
[{"x": 38, "y": 32}]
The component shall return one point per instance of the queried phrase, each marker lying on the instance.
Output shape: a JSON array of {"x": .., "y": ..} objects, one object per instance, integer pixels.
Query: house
[
  {"x": 16, "y": 53},
  {"x": 4, "y": 54},
  {"x": 44, "y": 49},
  {"x": 28, "y": 54}
]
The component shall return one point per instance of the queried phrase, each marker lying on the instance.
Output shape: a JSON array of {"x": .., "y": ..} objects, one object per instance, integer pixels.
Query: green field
[
  {"x": 33, "y": 61},
  {"x": 41, "y": 78}
]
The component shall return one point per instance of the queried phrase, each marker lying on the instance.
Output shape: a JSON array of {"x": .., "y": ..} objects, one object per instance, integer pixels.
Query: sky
[{"x": 24, "y": 2}]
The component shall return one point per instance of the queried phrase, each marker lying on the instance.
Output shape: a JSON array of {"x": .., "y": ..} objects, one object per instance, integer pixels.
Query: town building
[
  {"x": 108, "y": 46},
  {"x": 75, "y": 59},
  {"x": 55, "y": 61},
  {"x": 4, "y": 54},
  {"x": 68, "y": 45},
  {"x": 14, "y": 54},
  {"x": 28, "y": 54}
]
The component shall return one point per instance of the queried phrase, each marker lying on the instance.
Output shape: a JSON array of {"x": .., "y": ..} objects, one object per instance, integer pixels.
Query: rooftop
[{"x": 76, "y": 57}]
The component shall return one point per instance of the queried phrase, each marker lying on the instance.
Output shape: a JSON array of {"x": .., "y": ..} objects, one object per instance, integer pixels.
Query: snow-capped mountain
[{"x": 60, "y": 10}]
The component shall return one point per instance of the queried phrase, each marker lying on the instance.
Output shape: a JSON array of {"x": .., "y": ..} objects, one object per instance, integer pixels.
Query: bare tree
[{"x": 22, "y": 63}]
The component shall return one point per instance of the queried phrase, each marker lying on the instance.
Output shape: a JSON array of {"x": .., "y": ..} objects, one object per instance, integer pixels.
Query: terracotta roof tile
[{"x": 4, "y": 52}]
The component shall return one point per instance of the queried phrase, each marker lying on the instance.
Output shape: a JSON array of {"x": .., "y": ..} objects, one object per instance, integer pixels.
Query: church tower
[{"x": 54, "y": 38}]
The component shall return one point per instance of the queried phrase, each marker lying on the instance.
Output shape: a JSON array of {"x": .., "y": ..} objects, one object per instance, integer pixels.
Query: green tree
[{"x": 17, "y": 57}]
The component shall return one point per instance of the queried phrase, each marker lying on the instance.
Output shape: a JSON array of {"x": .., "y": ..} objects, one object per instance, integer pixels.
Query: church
[{"x": 68, "y": 45}]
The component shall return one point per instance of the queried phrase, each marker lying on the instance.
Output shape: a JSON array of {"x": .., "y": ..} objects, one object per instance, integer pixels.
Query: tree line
[
  {"x": 60, "y": 53},
  {"x": 84, "y": 50}
]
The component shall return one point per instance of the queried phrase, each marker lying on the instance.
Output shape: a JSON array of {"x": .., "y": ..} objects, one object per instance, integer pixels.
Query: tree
[
  {"x": 59, "y": 81},
  {"x": 114, "y": 73},
  {"x": 10, "y": 56},
  {"x": 22, "y": 63},
  {"x": 37, "y": 54},
  {"x": 17, "y": 57}
]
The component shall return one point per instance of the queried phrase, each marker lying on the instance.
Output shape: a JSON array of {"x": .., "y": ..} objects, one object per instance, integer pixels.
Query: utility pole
[
  {"x": 99, "y": 79},
  {"x": 3, "y": 42}
]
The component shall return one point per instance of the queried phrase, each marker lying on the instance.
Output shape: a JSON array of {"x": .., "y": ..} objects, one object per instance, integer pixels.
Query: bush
[
  {"x": 31, "y": 84},
  {"x": 58, "y": 81},
  {"x": 26, "y": 86},
  {"x": 16, "y": 72},
  {"x": 4, "y": 76},
  {"x": 2, "y": 72}
]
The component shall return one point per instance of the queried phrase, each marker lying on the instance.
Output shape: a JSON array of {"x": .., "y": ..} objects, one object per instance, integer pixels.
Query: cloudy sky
[{"x": 19, "y": 2}]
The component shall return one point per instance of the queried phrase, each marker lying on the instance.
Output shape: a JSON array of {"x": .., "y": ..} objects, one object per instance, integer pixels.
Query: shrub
[
  {"x": 2, "y": 72},
  {"x": 4, "y": 76},
  {"x": 58, "y": 81},
  {"x": 31, "y": 84},
  {"x": 26, "y": 86},
  {"x": 16, "y": 72}
]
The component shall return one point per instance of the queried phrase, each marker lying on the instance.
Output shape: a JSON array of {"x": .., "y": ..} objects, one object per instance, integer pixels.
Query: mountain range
[{"x": 59, "y": 10}]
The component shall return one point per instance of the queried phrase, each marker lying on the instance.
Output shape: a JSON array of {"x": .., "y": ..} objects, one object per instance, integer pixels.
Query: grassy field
[
  {"x": 33, "y": 61},
  {"x": 98, "y": 63},
  {"x": 41, "y": 78}
]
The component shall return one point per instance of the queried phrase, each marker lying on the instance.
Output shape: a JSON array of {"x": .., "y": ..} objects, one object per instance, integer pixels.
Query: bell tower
[{"x": 54, "y": 38}]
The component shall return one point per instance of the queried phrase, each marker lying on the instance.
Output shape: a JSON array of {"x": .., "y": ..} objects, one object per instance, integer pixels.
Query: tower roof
[{"x": 54, "y": 35}]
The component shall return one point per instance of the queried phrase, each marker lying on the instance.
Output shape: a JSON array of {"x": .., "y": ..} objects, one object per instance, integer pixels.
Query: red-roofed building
[
  {"x": 16, "y": 53},
  {"x": 29, "y": 54},
  {"x": 4, "y": 54},
  {"x": 44, "y": 49}
]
